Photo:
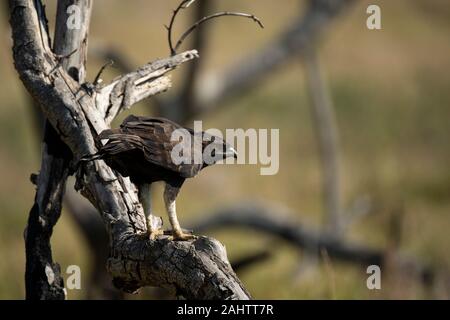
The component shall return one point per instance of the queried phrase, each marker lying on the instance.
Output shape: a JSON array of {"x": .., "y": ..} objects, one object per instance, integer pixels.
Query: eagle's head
[{"x": 216, "y": 149}]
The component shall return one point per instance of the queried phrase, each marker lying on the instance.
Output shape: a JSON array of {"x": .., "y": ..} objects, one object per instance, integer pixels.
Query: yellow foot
[{"x": 181, "y": 236}]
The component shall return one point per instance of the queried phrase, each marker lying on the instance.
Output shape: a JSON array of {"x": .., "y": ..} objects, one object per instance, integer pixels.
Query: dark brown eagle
[{"x": 142, "y": 150}]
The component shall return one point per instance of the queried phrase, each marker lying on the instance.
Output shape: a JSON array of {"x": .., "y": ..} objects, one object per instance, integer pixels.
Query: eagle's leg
[
  {"x": 145, "y": 199},
  {"x": 170, "y": 194}
]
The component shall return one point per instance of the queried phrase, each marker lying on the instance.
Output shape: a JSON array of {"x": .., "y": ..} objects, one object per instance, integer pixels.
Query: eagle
[{"x": 142, "y": 149}]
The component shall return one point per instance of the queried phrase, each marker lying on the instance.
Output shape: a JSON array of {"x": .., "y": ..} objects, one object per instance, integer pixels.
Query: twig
[
  {"x": 60, "y": 57},
  {"x": 186, "y": 96},
  {"x": 106, "y": 65},
  {"x": 213, "y": 16},
  {"x": 183, "y": 5},
  {"x": 252, "y": 70}
]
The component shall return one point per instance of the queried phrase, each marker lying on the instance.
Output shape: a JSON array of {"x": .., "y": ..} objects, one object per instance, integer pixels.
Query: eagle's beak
[{"x": 231, "y": 153}]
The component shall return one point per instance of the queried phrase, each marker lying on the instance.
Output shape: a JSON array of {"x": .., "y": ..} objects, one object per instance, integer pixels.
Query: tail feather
[
  {"x": 105, "y": 134},
  {"x": 91, "y": 157}
]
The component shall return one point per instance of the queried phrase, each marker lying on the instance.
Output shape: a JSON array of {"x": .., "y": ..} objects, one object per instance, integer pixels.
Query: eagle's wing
[{"x": 153, "y": 137}]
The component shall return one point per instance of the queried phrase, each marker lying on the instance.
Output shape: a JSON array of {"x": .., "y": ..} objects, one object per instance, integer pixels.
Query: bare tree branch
[
  {"x": 324, "y": 121},
  {"x": 253, "y": 69},
  {"x": 128, "y": 89},
  {"x": 250, "y": 260},
  {"x": 185, "y": 98},
  {"x": 278, "y": 221},
  {"x": 214, "y": 16},
  {"x": 135, "y": 260},
  {"x": 73, "y": 42},
  {"x": 183, "y": 5},
  {"x": 217, "y": 89}
]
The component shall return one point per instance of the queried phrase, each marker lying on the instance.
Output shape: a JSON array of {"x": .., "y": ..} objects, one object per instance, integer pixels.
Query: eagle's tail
[
  {"x": 105, "y": 134},
  {"x": 91, "y": 157},
  {"x": 87, "y": 158}
]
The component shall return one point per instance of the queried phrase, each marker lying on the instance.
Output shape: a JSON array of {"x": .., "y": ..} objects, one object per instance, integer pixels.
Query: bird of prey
[{"x": 142, "y": 150}]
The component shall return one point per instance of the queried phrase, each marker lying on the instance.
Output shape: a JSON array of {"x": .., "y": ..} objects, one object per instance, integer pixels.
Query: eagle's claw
[
  {"x": 152, "y": 235},
  {"x": 181, "y": 236}
]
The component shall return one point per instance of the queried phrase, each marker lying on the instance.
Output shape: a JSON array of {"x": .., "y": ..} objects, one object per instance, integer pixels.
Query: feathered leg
[
  {"x": 170, "y": 194},
  {"x": 145, "y": 199}
]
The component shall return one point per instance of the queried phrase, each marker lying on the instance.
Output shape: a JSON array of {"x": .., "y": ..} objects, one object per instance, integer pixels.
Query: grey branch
[
  {"x": 147, "y": 81},
  {"x": 278, "y": 221},
  {"x": 135, "y": 261},
  {"x": 219, "y": 88},
  {"x": 324, "y": 121},
  {"x": 251, "y": 70}
]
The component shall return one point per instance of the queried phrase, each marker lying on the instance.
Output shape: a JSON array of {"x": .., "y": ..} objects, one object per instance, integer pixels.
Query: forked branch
[
  {"x": 185, "y": 4},
  {"x": 214, "y": 16}
]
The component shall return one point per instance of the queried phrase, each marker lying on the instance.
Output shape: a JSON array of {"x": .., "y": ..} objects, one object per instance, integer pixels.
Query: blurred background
[{"x": 385, "y": 94}]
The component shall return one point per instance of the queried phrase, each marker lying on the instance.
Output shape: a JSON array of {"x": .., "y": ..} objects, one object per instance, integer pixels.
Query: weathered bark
[
  {"x": 42, "y": 276},
  {"x": 93, "y": 230},
  {"x": 196, "y": 269},
  {"x": 56, "y": 157}
]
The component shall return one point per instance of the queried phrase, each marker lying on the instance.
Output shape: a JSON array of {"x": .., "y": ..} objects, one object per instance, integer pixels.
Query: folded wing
[{"x": 152, "y": 136}]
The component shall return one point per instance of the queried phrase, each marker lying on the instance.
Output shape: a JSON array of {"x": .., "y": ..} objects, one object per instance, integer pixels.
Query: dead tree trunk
[
  {"x": 196, "y": 269},
  {"x": 42, "y": 276},
  {"x": 56, "y": 157}
]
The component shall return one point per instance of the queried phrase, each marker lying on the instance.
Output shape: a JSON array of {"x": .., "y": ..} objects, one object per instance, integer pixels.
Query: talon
[
  {"x": 181, "y": 236},
  {"x": 152, "y": 235}
]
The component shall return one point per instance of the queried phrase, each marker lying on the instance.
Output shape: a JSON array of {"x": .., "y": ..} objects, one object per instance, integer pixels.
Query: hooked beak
[{"x": 231, "y": 153}]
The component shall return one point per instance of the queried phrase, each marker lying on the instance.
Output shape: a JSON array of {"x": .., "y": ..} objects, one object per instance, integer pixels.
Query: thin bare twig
[
  {"x": 110, "y": 63},
  {"x": 183, "y": 5},
  {"x": 60, "y": 57},
  {"x": 214, "y": 16},
  {"x": 187, "y": 93}
]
